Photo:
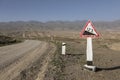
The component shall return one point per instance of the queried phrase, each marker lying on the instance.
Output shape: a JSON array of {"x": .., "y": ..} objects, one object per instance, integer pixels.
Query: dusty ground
[
  {"x": 71, "y": 66},
  {"x": 36, "y": 60},
  {"x": 115, "y": 46},
  {"x": 15, "y": 59}
]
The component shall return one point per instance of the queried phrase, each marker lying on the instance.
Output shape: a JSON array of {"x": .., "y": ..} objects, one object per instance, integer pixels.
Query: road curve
[{"x": 17, "y": 57}]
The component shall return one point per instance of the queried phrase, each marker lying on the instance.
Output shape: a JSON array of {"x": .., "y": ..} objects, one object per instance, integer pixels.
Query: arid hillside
[
  {"x": 56, "y": 25},
  {"x": 51, "y": 29}
]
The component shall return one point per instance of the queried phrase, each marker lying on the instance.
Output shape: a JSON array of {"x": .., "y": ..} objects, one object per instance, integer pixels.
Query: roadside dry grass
[
  {"x": 56, "y": 69},
  {"x": 70, "y": 66}
]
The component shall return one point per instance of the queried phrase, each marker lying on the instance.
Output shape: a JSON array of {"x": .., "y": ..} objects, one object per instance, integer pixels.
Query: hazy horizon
[{"x": 60, "y": 21}]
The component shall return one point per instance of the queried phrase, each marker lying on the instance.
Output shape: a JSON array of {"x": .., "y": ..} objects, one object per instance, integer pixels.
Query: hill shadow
[
  {"x": 75, "y": 54},
  {"x": 107, "y": 69}
]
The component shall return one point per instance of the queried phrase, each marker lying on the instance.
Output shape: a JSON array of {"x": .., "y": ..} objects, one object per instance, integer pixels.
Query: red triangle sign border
[{"x": 83, "y": 30}]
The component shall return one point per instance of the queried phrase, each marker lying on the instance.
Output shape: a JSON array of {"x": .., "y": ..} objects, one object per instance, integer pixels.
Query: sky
[{"x": 63, "y": 10}]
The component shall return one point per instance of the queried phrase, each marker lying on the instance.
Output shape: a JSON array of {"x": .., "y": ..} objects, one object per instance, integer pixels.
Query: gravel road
[{"x": 15, "y": 58}]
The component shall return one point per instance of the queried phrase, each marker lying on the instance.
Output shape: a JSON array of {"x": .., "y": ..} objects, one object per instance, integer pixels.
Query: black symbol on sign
[{"x": 90, "y": 30}]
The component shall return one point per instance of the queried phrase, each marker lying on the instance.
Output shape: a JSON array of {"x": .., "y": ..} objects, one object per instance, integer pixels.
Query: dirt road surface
[{"x": 18, "y": 57}]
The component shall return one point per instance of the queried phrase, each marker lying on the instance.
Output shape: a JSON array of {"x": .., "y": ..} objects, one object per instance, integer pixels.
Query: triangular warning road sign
[{"x": 89, "y": 30}]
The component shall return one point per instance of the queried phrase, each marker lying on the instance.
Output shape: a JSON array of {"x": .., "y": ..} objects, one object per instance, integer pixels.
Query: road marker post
[
  {"x": 89, "y": 32},
  {"x": 63, "y": 48}
]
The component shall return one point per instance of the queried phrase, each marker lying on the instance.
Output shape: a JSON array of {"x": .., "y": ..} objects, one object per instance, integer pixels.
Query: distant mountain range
[{"x": 57, "y": 25}]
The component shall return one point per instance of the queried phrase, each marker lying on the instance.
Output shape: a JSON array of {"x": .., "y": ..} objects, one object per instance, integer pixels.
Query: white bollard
[{"x": 63, "y": 48}]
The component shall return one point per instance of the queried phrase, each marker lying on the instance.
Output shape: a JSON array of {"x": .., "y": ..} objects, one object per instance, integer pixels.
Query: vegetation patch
[
  {"x": 74, "y": 56},
  {"x": 5, "y": 40}
]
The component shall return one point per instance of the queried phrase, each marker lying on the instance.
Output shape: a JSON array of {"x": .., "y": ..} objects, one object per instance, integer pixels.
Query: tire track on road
[
  {"x": 9, "y": 54},
  {"x": 45, "y": 63},
  {"x": 14, "y": 69}
]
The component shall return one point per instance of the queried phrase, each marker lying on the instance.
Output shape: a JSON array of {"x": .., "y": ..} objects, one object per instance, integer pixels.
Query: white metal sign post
[
  {"x": 89, "y": 32},
  {"x": 89, "y": 52}
]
